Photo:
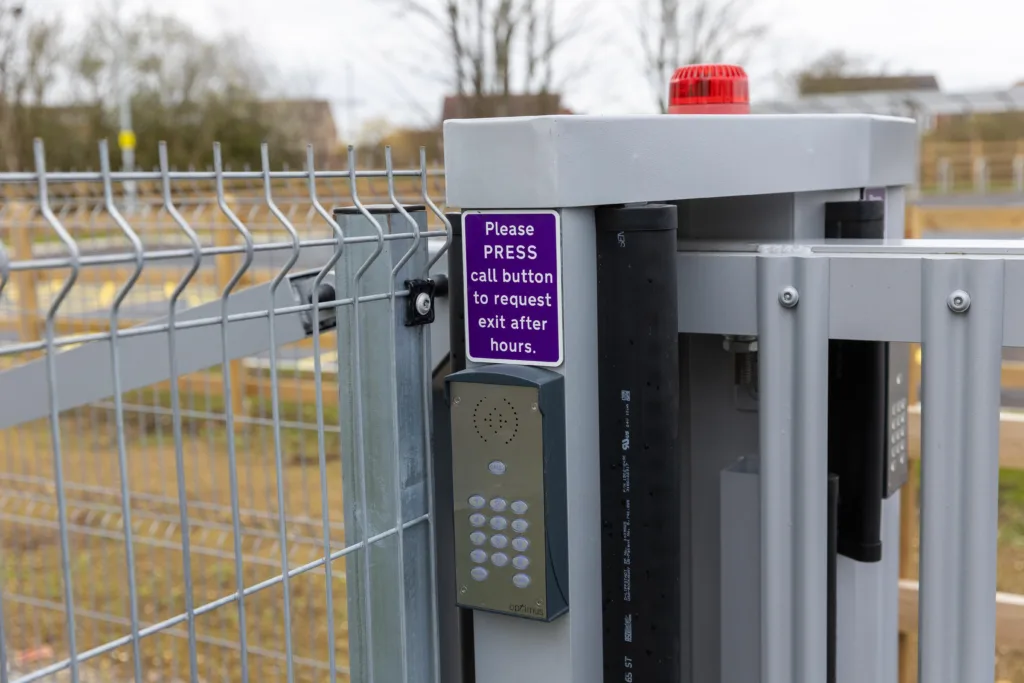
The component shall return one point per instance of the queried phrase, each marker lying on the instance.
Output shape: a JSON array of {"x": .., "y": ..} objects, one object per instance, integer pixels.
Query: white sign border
[{"x": 558, "y": 284}]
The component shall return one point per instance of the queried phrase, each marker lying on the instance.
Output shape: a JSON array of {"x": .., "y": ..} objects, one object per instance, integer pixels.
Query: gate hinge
[{"x": 419, "y": 306}]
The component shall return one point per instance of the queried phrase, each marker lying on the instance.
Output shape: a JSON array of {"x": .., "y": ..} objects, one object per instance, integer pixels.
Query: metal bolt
[
  {"x": 789, "y": 297},
  {"x": 457, "y": 400},
  {"x": 739, "y": 343},
  {"x": 959, "y": 301},
  {"x": 533, "y": 407},
  {"x": 423, "y": 303},
  {"x": 463, "y": 590},
  {"x": 748, "y": 370}
]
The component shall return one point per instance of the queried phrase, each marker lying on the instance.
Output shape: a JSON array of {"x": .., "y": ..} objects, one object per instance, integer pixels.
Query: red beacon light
[{"x": 709, "y": 89}]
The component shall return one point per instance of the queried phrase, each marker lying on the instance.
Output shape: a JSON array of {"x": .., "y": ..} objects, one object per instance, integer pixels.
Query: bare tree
[
  {"x": 31, "y": 51},
  {"x": 185, "y": 88},
  {"x": 494, "y": 49},
  {"x": 830, "y": 72},
  {"x": 675, "y": 32}
]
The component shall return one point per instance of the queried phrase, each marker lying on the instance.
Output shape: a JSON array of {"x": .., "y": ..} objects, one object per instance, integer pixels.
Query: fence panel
[{"x": 179, "y": 470}]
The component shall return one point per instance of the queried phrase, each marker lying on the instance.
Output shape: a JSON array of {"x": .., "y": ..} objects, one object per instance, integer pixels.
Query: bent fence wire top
[{"x": 197, "y": 379}]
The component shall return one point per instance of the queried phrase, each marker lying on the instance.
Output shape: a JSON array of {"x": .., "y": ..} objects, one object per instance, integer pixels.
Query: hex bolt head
[
  {"x": 959, "y": 301},
  {"x": 423, "y": 303},
  {"x": 789, "y": 297}
]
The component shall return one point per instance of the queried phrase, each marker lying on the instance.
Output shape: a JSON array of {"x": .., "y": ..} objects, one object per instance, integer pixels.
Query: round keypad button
[
  {"x": 478, "y": 556},
  {"x": 476, "y": 502},
  {"x": 498, "y": 523},
  {"x": 521, "y": 545},
  {"x": 520, "y": 562},
  {"x": 520, "y": 526},
  {"x": 499, "y": 559},
  {"x": 521, "y": 580},
  {"x": 477, "y": 519},
  {"x": 520, "y": 507},
  {"x": 478, "y": 573},
  {"x": 498, "y": 504},
  {"x": 478, "y": 538},
  {"x": 496, "y": 467},
  {"x": 499, "y": 541}
]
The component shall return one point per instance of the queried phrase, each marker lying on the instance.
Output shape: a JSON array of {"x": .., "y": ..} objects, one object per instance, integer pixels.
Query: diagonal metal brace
[{"x": 84, "y": 374}]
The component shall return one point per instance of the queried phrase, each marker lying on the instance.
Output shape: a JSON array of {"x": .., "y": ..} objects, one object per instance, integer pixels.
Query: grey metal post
[
  {"x": 568, "y": 650},
  {"x": 371, "y": 409},
  {"x": 867, "y": 603},
  {"x": 962, "y": 336},
  {"x": 739, "y": 596},
  {"x": 981, "y": 175},
  {"x": 793, "y": 296},
  {"x": 945, "y": 175}
]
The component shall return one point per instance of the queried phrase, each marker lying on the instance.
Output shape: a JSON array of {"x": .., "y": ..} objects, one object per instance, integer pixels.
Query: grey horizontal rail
[{"x": 874, "y": 290}]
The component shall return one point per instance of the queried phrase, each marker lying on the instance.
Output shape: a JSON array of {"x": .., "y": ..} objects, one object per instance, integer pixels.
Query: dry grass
[
  {"x": 1010, "y": 561},
  {"x": 31, "y": 553}
]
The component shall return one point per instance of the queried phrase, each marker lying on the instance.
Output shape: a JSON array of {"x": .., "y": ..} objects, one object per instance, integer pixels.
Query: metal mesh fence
[{"x": 190, "y": 528}]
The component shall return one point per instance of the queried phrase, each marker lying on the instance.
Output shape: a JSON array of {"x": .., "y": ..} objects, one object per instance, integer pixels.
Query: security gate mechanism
[{"x": 729, "y": 282}]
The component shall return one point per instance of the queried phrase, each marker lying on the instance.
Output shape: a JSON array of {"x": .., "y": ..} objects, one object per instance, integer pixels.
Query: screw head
[
  {"x": 533, "y": 407},
  {"x": 959, "y": 301},
  {"x": 463, "y": 590},
  {"x": 423, "y": 303},
  {"x": 789, "y": 297},
  {"x": 457, "y": 400}
]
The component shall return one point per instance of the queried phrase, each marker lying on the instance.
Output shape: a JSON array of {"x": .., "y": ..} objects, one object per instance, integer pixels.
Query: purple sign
[{"x": 512, "y": 265}]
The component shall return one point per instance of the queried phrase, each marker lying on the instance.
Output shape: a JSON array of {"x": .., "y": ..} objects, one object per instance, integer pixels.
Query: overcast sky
[{"x": 315, "y": 43}]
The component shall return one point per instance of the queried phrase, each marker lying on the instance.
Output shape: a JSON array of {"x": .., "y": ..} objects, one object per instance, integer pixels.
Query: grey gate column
[{"x": 381, "y": 410}]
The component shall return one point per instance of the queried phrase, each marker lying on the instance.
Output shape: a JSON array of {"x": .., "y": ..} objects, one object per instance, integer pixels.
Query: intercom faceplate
[
  {"x": 897, "y": 466},
  {"x": 504, "y": 504}
]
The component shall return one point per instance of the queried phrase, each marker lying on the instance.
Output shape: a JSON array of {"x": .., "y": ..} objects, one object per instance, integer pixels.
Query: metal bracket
[
  {"x": 419, "y": 306},
  {"x": 302, "y": 284}
]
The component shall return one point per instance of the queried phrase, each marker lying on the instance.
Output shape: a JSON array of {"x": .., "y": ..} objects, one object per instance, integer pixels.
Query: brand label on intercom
[{"x": 512, "y": 265}]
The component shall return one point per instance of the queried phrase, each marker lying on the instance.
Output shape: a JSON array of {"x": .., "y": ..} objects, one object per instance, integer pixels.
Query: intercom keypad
[
  {"x": 897, "y": 464},
  {"x": 499, "y": 495}
]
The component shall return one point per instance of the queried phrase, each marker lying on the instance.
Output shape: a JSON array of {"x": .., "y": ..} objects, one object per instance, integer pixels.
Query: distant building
[
  {"x": 828, "y": 85},
  {"x": 492, "y": 106}
]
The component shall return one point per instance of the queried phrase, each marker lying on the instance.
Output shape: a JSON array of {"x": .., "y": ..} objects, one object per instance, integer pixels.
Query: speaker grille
[{"x": 495, "y": 420}]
